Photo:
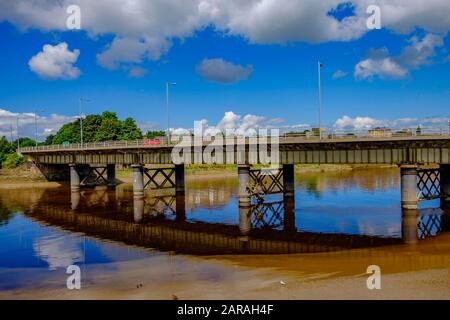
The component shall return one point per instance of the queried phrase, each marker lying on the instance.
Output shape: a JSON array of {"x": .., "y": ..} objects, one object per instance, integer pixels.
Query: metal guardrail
[{"x": 327, "y": 136}]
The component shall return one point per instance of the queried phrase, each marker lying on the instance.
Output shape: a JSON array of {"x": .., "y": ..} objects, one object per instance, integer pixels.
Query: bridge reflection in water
[{"x": 264, "y": 228}]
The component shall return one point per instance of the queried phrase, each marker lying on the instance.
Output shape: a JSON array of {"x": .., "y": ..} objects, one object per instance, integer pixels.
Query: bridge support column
[
  {"x": 138, "y": 180},
  {"x": 288, "y": 180},
  {"x": 289, "y": 214},
  {"x": 74, "y": 178},
  {"x": 180, "y": 207},
  {"x": 138, "y": 209},
  {"x": 408, "y": 185},
  {"x": 445, "y": 185},
  {"x": 243, "y": 185},
  {"x": 111, "y": 175},
  {"x": 75, "y": 199},
  {"x": 179, "y": 179},
  {"x": 410, "y": 220},
  {"x": 245, "y": 224}
]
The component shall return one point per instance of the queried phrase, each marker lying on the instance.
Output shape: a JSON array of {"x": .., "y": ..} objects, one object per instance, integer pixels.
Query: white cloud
[
  {"x": 420, "y": 51},
  {"x": 125, "y": 51},
  {"x": 236, "y": 123},
  {"x": 364, "y": 123},
  {"x": 55, "y": 62},
  {"x": 221, "y": 71},
  {"x": 151, "y": 25},
  {"x": 385, "y": 68},
  {"x": 339, "y": 74},
  {"x": 46, "y": 124},
  {"x": 413, "y": 56}
]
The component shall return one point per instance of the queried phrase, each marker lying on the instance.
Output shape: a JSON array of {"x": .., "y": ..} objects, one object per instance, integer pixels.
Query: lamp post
[
  {"x": 167, "y": 109},
  {"x": 35, "y": 126},
  {"x": 81, "y": 119},
  {"x": 319, "y": 66},
  {"x": 18, "y": 139}
]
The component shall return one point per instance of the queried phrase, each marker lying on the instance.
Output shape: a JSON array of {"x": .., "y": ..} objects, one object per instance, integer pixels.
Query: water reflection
[{"x": 355, "y": 211}]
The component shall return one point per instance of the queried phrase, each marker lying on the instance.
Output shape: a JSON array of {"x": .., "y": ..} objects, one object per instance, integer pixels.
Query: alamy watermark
[
  {"x": 374, "y": 280},
  {"x": 73, "y": 21},
  {"x": 74, "y": 279},
  {"x": 213, "y": 146}
]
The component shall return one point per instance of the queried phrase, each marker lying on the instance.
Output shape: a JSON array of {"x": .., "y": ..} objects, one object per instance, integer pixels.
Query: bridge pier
[
  {"x": 138, "y": 180},
  {"x": 410, "y": 219},
  {"x": 445, "y": 185},
  {"x": 288, "y": 180},
  {"x": 245, "y": 224},
  {"x": 179, "y": 179},
  {"x": 408, "y": 185},
  {"x": 244, "y": 185},
  {"x": 289, "y": 214},
  {"x": 111, "y": 175},
  {"x": 74, "y": 178},
  {"x": 180, "y": 207},
  {"x": 75, "y": 199},
  {"x": 138, "y": 209}
]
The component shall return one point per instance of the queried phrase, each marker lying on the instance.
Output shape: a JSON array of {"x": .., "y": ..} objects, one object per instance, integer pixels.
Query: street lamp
[
  {"x": 81, "y": 118},
  {"x": 35, "y": 126},
  {"x": 319, "y": 66},
  {"x": 18, "y": 139},
  {"x": 167, "y": 108}
]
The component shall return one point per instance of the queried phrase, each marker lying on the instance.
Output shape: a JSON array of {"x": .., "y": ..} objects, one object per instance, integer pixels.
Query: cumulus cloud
[
  {"x": 46, "y": 124},
  {"x": 413, "y": 56},
  {"x": 339, "y": 74},
  {"x": 221, "y": 71},
  {"x": 55, "y": 62},
  {"x": 151, "y": 25},
  {"x": 240, "y": 124},
  {"x": 125, "y": 51},
  {"x": 361, "y": 123},
  {"x": 385, "y": 68}
]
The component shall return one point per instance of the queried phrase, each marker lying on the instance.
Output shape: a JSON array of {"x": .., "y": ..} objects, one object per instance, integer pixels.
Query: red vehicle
[{"x": 151, "y": 142}]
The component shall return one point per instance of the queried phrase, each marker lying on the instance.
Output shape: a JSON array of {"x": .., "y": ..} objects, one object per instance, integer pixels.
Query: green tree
[
  {"x": 25, "y": 142},
  {"x": 129, "y": 130},
  {"x": 109, "y": 129},
  {"x": 91, "y": 125},
  {"x": 5, "y": 149},
  {"x": 154, "y": 134},
  {"x": 13, "y": 160},
  {"x": 69, "y": 132},
  {"x": 49, "y": 140}
]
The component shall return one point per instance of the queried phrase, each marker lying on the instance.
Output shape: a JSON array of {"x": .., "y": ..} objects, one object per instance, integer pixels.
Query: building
[{"x": 380, "y": 132}]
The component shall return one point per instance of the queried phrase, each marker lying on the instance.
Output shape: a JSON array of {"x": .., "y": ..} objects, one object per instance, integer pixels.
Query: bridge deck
[{"x": 346, "y": 150}]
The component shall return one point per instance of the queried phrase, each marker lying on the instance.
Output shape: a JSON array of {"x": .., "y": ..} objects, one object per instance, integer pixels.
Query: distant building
[
  {"x": 316, "y": 131},
  {"x": 403, "y": 132},
  {"x": 380, "y": 132}
]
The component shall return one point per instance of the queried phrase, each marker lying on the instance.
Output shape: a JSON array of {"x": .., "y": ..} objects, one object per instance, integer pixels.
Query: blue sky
[{"x": 249, "y": 69}]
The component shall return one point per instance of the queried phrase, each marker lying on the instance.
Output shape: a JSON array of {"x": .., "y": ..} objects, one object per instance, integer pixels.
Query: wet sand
[{"x": 419, "y": 271}]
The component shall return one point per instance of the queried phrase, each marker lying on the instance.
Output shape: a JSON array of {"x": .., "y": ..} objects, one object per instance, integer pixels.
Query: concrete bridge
[{"x": 93, "y": 163}]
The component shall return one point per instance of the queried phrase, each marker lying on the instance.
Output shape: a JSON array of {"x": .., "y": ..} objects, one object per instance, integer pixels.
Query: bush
[{"x": 13, "y": 160}]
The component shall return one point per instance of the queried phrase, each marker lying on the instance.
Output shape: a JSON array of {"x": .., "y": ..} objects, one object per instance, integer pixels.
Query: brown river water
[{"x": 202, "y": 246}]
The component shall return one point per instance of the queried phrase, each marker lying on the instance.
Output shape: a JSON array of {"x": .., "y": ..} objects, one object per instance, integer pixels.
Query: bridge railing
[{"x": 329, "y": 135}]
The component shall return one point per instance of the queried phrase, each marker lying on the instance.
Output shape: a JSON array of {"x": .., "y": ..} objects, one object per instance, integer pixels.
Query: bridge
[{"x": 93, "y": 163}]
